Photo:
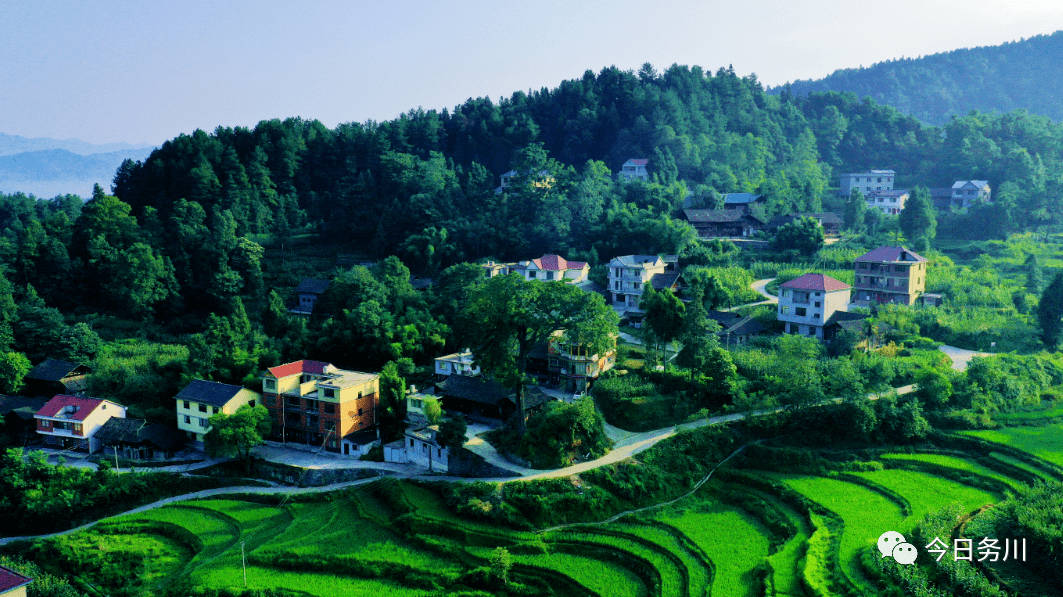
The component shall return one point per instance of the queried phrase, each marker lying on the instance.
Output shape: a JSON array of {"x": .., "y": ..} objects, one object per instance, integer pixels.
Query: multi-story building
[
  {"x": 889, "y": 275},
  {"x": 71, "y": 422},
  {"x": 629, "y": 273},
  {"x": 635, "y": 168},
  {"x": 577, "y": 367},
  {"x": 315, "y": 403},
  {"x": 865, "y": 182},
  {"x": 552, "y": 267},
  {"x": 201, "y": 400},
  {"x": 806, "y": 304},
  {"x": 459, "y": 363},
  {"x": 888, "y": 202},
  {"x": 968, "y": 192}
]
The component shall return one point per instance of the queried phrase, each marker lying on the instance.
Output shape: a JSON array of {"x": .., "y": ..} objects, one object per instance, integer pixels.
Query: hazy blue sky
[{"x": 140, "y": 71}]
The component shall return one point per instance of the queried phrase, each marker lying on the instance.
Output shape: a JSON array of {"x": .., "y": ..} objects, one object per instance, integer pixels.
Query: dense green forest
[{"x": 1025, "y": 74}]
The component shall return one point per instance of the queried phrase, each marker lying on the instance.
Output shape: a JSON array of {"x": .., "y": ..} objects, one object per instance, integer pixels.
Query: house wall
[
  {"x": 19, "y": 592},
  {"x": 84, "y": 429},
  {"x": 455, "y": 365},
  {"x": 192, "y": 416},
  {"x": 626, "y": 283},
  {"x": 426, "y": 454},
  {"x": 792, "y": 301},
  {"x": 888, "y": 205},
  {"x": 865, "y": 182},
  {"x": 901, "y": 282},
  {"x": 304, "y": 410}
]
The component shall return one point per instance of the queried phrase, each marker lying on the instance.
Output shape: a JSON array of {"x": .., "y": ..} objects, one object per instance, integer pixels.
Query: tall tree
[
  {"x": 235, "y": 434},
  {"x": 664, "y": 315},
  {"x": 855, "y": 207},
  {"x": 510, "y": 317},
  {"x": 1050, "y": 313},
  {"x": 917, "y": 219},
  {"x": 805, "y": 235}
]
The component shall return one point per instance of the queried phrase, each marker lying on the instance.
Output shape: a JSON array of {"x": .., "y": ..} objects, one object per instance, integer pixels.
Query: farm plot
[
  {"x": 926, "y": 493},
  {"x": 1043, "y": 442},
  {"x": 952, "y": 462},
  {"x": 735, "y": 542}
]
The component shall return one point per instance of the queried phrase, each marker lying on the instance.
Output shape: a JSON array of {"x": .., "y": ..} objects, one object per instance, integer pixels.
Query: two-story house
[
  {"x": 52, "y": 376},
  {"x": 576, "y": 366},
  {"x": 635, "y": 168},
  {"x": 723, "y": 223},
  {"x": 968, "y": 192},
  {"x": 200, "y": 400},
  {"x": 889, "y": 275},
  {"x": 459, "y": 363},
  {"x": 309, "y": 291},
  {"x": 552, "y": 267},
  {"x": 71, "y": 422},
  {"x": 888, "y": 202},
  {"x": 314, "y": 403},
  {"x": 865, "y": 182},
  {"x": 628, "y": 274},
  {"x": 806, "y": 304},
  {"x": 543, "y": 180}
]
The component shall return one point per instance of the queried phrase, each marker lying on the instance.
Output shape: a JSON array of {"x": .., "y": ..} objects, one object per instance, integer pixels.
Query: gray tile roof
[
  {"x": 312, "y": 286},
  {"x": 209, "y": 392},
  {"x": 740, "y": 198},
  {"x": 475, "y": 389},
  {"x": 55, "y": 370}
]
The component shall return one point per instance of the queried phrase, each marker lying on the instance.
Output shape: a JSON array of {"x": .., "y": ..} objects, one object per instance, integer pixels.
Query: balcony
[{"x": 63, "y": 432}]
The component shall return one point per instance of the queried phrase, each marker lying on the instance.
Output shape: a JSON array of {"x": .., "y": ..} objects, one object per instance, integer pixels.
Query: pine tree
[{"x": 917, "y": 219}]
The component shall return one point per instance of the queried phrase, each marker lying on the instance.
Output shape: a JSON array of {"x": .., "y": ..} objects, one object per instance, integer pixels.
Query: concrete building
[
  {"x": 201, "y": 400},
  {"x": 889, "y": 275},
  {"x": 635, "y": 168},
  {"x": 309, "y": 291},
  {"x": 968, "y": 192},
  {"x": 459, "y": 363},
  {"x": 806, "y": 304},
  {"x": 888, "y": 202},
  {"x": 315, "y": 404},
  {"x": 866, "y": 182},
  {"x": 629, "y": 273},
  {"x": 71, "y": 422},
  {"x": 552, "y": 267}
]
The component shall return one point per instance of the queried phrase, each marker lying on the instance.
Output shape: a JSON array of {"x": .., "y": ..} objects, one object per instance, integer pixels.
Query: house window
[
  {"x": 330, "y": 393},
  {"x": 785, "y": 309},
  {"x": 311, "y": 405},
  {"x": 330, "y": 426},
  {"x": 188, "y": 420},
  {"x": 799, "y": 311},
  {"x": 187, "y": 405},
  {"x": 294, "y": 418},
  {"x": 293, "y": 401},
  {"x": 411, "y": 443},
  {"x": 815, "y": 316},
  {"x": 269, "y": 384},
  {"x": 215, "y": 410},
  {"x": 251, "y": 403},
  {"x": 330, "y": 409},
  {"x": 785, "y": 292},
  {"x": 203, "y": 423},
  {"x": 202, "y": 408},
  {"x": 816, "y": 303},
  {"x": 439, "y": 452},
  {"x": 359, "y": 412}
]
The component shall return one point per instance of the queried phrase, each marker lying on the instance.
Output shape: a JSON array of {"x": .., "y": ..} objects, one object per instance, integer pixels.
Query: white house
[
  {"x": 888, "y": 202},
  {"x": 423, "y": 450},
  {"x": 552, "y": 267},
  {"x": 967, "y": 192},
  {"x": 629, "y": 273},
  {"x": 807, "y": 303},
  {"x": 459, "y": 363},
  {"x": 635, "y": 168},
  {"x": 866, "y": 182},
  {"x": 71, "y": 422}
]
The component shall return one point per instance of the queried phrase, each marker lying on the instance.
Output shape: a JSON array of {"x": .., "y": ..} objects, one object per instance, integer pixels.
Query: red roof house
[{"x": 70, "y": 422}]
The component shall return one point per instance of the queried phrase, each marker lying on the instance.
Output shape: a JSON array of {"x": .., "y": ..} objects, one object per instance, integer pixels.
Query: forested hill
[{"x": 1026, "y": 74}]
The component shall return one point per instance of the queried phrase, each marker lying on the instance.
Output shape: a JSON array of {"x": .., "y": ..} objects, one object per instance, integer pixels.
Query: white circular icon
[
  {"x": 905, "y": 553},
  {"x": 887, "y": 541}
]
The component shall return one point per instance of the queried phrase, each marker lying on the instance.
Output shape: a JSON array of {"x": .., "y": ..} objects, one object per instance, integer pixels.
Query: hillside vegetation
[{"x": 1026, "y": 74}]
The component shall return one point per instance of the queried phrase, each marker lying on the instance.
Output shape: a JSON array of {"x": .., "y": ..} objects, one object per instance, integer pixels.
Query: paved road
[
  {"x": 961, "y": 357},
  {"x": 760, "y": 287}
]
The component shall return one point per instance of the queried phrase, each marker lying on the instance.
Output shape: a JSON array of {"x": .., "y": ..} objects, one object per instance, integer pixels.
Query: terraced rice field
[
  {"x": 1043, "y": 442},
  {"x": 778, "y": 535}
]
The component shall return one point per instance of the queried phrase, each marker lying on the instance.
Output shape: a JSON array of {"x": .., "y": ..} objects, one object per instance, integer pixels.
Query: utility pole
[
  {"x": 243, "y": 560},
  {"x": 116, "y": 461}
]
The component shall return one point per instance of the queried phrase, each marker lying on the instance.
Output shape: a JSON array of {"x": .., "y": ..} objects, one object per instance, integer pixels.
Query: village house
[
  {"x": 712, "y": 223},
  {"x": 17, "y": 413},
  {"x": 742, "y": 201},
  {"x": 865, "y": 182},
  {"x": 13, "y": 584},
  {"x": 308, "y": 292},
  {"x": 71, "y": 422},
  {"x": 806, "y": 304},
  {"x": 889, "y": 275},
  {"x": 552, "y": 267},
  {"x": 52, "y": 377},
  {"x": 735, "y": 330},
  {"x": 136, "y": 439},
  {"x": 628, "y": 274},
  {"x": 459, "y": 363},
  {"x": 966, "y": 193},
  {"x": 314, "y": 403},
  {"x": 888, "y": 202},
  {"x": 201, "y": 399},
  {"x": 831, "y": 222},
  {"x": 635, "y": 168},
  {"x": 544, "y": 180}
]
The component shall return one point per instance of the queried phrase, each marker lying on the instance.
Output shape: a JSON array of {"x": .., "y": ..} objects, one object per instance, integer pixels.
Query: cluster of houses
[
  {"x": 817, "y": 305},
  {"x": 738, "y": 218}
]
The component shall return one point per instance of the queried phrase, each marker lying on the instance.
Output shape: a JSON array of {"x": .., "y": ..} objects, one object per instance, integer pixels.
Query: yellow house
[
  {"x": 201, "y": 400},
  {"x": 13, "y": 584}
]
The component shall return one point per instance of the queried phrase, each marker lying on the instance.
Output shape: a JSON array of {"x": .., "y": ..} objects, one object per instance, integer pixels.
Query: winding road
[{"x": 626, "y": 445}]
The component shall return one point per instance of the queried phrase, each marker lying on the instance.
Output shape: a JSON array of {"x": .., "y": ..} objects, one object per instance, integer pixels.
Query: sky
[{"x": 144, "y": 71}]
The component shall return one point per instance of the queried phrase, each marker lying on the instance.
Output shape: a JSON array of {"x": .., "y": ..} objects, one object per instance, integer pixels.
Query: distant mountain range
[
  {"x": 1023, "y": 74},
  {"x": 49, "y": 167}
]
